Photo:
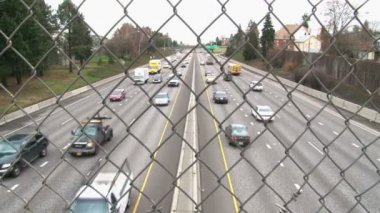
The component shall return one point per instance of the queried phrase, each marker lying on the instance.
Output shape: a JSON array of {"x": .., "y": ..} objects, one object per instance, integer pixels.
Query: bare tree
[{"x": 338, "y": 13}]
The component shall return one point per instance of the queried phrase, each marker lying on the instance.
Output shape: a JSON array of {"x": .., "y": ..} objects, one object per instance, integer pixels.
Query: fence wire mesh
[{"x": 289, "y": 165}]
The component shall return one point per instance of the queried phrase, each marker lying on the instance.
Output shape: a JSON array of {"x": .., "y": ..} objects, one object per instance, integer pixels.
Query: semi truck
[
  {"x": 154, "y": 66},
  {"x": 141, "y": 75}
]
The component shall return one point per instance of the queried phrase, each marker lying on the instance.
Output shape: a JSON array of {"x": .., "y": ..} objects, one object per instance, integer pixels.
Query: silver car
[
  {"x": 256, "y": 86},
  {"x": 162, "y": 99},
  {"x": 263, "y": 113}
]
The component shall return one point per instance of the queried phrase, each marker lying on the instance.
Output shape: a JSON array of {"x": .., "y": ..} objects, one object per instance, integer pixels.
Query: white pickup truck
[{"x": 109, "y": 191}]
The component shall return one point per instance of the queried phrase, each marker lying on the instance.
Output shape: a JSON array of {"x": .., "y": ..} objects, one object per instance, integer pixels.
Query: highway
[{"x": 304, "y": 159}]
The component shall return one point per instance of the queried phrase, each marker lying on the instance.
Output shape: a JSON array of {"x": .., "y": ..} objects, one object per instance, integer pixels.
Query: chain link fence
[{"x": 342, "y": 175}]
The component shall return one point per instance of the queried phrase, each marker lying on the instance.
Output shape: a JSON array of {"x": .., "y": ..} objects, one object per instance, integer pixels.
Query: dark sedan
[
  {"x": 237, "y": 135},
  {"x": 18, "y": 149},
  {"x": 220, "y": 97}
]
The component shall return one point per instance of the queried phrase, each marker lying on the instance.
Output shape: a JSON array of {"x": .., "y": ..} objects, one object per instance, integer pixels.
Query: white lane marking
[
  {"x": 278, "y": 116},
  {"x": 88, "y": 173},
  {"x": 316, "y": 148},
  {"x": 13, "y": 187},
  {"x": 237, "y": 104},
  {"x": 378, "y": 159},
  {"x": 241, "y": 109},
  {"x": 114, "y": 110},
  {"x": 335, "y": 133},
  {"x": 276, "y": 96},
  {"x": 320, "y": 123},
  {"x": 133, "y": 120},
  {"x": 258, "y": 133},
  {"x": 66, "y": 121},
  {"x": 44, "y": 164},
  {"x": 234, "y": 99},
  {"x": 298, "y": 187},
  {"x": 282, "y": 100},
  {"x": 246, "y": 115},
  {"x": 231, "y": 95},
  {"x": 274, "y": 144},
  {"x": 66, "y": 146},
  {"x": 355, "y": 145},
  {"x": 268, "y": 146},
  {"x": 281, "y": 164},
  {"x": 251, "y": 123},
  {"x": 270, "y": 93},
  {"x": 120, "y": 104},
  {"x": 308, "y": 116}
]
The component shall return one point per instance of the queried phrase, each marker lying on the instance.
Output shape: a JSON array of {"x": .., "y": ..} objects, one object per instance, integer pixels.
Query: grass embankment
[
  {"x": 58, "y": 79},
  {"x": 354, "y": 94}
]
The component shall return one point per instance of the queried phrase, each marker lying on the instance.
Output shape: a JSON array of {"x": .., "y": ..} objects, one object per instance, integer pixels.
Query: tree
[
  {"x": 78, "y": 41},
  {"x": 30, "y": 39},
  {"x": 267, "y": 37},
  {"x": 218, "y": 41},
  {"x": 305, "y": 20},
  {"x": 253, "y": 39},
  {"x": 338, "y": 15}
]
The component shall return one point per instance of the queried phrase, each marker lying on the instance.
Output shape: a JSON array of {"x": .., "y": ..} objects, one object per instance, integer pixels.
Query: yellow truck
[
  {"x": 234, "y": 69},
  {"x": 154, "y": 66}
]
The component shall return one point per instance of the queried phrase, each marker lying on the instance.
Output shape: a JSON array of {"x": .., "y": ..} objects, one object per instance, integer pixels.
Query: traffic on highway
[{"x": 117, "y": 147}]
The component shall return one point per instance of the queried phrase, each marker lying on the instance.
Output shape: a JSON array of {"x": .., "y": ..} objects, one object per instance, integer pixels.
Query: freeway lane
[
  {"x": 304, "y": 155},
  {"x": 64, "y": 179}
]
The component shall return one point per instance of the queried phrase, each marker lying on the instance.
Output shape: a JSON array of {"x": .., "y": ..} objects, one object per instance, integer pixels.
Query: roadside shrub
[{"x": 100, "y": 61}]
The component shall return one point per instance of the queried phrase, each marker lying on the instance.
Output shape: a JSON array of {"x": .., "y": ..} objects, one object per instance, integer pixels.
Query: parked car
[
  {"x": 256, "y": 86},
  {"x": 157, "y": 78},
  {"x": 118, "y": 95},
  {"x": 109, "y": 191},
  {"x": 227, "y": 77},
  {"x": 174, "y": 82},
  {"x": 237, "y": 135},
  {"x": 262, "y": 113},
  {"x": 211, "y": 79},
  {"x": 18, "y": 149},
  {"x": 162, "y": 98},
  {"x": 220, "y": 97},
  {"x": 87, "y": 139}
]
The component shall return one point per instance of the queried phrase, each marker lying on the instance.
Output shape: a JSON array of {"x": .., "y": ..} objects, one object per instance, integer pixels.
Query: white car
[
  {"x": 210, "y": 79},
  {"x": 256, "y": 86},
  {"x": 107, "y": 191},
  {"x": 162, "y": 99},
  {"x": 263, "y": 113}
]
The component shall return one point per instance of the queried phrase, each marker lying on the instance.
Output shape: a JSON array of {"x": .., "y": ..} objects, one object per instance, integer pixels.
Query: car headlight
[
  {"x": 6, "y": 165},
  {"x": 90, "y": 144}
]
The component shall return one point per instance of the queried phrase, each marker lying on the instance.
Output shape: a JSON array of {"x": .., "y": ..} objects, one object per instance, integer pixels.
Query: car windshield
[
  {"x": 265, "y": 109},
  {"x": 220, "y": 94},
  {"x": 239, "y": 130},
  {"x": 156, "y": 77},
  {"x": 90, "y": 206},
  {"x": 88, "y": 130},
  {"x": 161, "y": 96},
  {"x": 8, "y": 148},
  {"x": 117, "y": 92}
]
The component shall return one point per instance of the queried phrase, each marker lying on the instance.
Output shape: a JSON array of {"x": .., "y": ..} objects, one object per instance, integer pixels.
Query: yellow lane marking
[
  {"x": 155, "y": 154},
  {"x": 236, "y": 205}
]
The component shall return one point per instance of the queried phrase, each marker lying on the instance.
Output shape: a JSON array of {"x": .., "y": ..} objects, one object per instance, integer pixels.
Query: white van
[{"x": 141, "y": 75}]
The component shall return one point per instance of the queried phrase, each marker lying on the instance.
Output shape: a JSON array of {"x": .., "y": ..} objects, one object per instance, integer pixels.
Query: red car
[{"x": 117, "y": 95}]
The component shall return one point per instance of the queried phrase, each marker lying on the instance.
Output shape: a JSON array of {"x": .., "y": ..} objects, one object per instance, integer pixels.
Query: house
[{"x": 301, "y": 36}]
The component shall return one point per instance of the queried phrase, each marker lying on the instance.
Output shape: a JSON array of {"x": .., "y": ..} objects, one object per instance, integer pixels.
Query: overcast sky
[{"x": 102, "y": 15}]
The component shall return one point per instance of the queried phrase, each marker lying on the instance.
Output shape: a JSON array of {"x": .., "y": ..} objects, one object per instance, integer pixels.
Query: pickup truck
[{"x": 87, "y": 139}]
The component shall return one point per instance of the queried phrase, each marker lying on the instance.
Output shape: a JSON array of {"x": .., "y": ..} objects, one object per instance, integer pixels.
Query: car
[
  {"x": 162, "y": 98},
  {"x": 87, "y": 138},
  {"x": 174, "y": 82},
  {"x": 109, "y": 190},
  {"x": 18, "y": 150},
  {"x": 262, "y": 113},
  {"x": 118, "y": 95},
  {"x": 237, "y": 135},
  {"x": 227, "y": 77},
  {"x": 256, "y": 86},
  {"x": 220, "y": 96},
  {"x": 211, "y": 79},
  {"x": 202, "y": 63},
  {"x": 207, "y": 72},
  {"x": 157, "y": 78}
]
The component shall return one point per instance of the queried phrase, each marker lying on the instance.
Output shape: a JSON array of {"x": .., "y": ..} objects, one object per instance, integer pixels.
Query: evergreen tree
[
  {"x": 267, "y": 37},
  {"x": 30, "y": 39},
  {"x": 253, "y": 39}
]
